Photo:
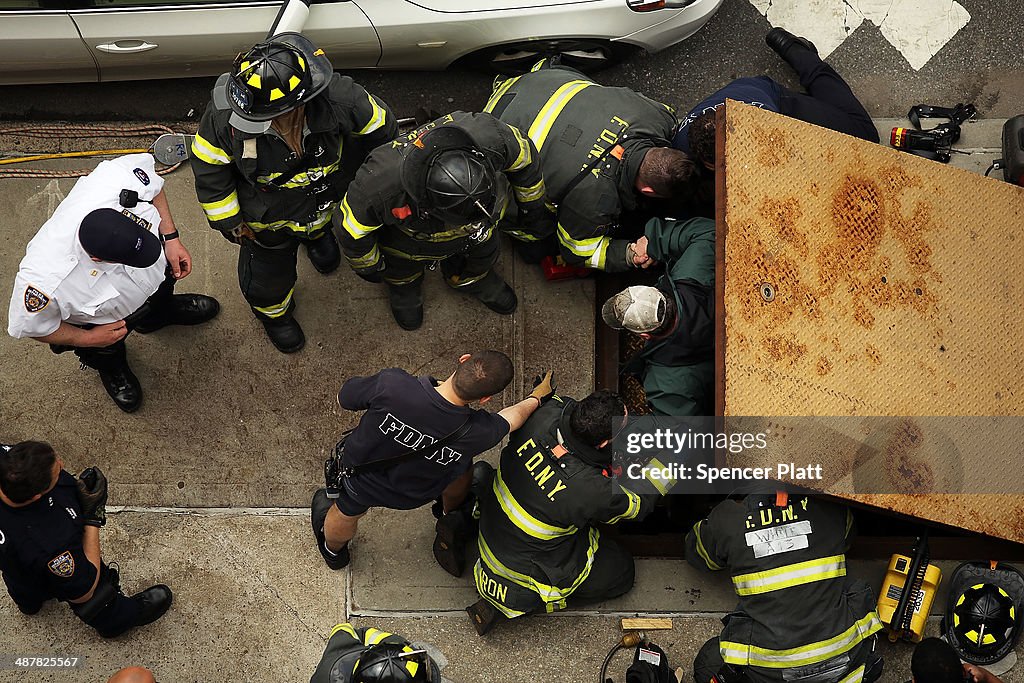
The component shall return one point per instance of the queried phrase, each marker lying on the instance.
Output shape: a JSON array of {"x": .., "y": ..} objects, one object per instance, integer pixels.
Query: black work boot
[
  {"x": 154, "y": 603},
  {"x": 318, "y": 509},
  {"x": 780, "y": 40},
  {"x": 407, "y": 304},
  {"x": 454, "y": 530},
  {"x": 324, "y": 253},
  {"x": 123, "y": 386},
  {"x": 494, "y": 293},
  {"x": 183, "y": 309},
  {"x": 484, "y": 616},
  {"x": 285, "y": 333}
]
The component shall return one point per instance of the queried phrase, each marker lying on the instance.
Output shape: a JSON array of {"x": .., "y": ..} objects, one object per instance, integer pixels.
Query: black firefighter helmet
[
  {"x": 982, "y": 620},
  {"x": 395, "y": 663},
  {"x": 272, "y": 78},
  {"x": 448, "y": 178}
]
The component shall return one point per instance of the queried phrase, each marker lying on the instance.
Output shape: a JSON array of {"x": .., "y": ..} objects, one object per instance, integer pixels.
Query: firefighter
[
  {"x": 540, "y": 550},
  {"x": 435, "y": 196},
  {"x": 800, "y": 617},
  {"x": 369, "y": 655},
  {"x": 274, "y": 153},
  {"x": 675, "y": 318},
  {"x": 605, "y": 152}
]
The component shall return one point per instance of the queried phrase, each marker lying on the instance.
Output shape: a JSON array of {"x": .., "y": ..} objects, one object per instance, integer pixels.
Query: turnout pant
[
  {"x": 466, "y": 270},
  {"x": 611, "y": 575},
  {"x": 266, "y": 270},
  {"x": 708, "y": 667},
  {"x": 829, "y": 102},
  {"x": 114, "y": 357}
]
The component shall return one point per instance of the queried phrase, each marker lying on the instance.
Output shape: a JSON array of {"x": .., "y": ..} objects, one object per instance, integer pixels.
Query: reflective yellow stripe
[
  {"x": 522, "y": 236},
  {"x": 541, "y": 125},
  {"x": 523, "y": 520},
  {"x": 305, "y": 228},
  {"x": 531, "y": 193},
  {"x": 206, "y": 151},
  {"x": 365, "y": 261},
  {"x": 632, "y": 510},
  {"x": 593, "y": 249},
  {"x": 546, "y": 592},
  {"x": 790, "y": 575},
  {"x": 374, "y": 636},
  {"x": 498, "y": 92},
  {"x": 849, "y": 522},
  {"x": 278, "y": 310},
  {"x": 457, "y": 281},
  {"x": 855, "y": 676},
  {"x": 481, "y": 579},
  {"x": 538, "y": 65},
  {"x": 701, "y": 550},
  {"x": 303, "y": 179},
  {"x": 525, "y": 156},
  {"x": 351, "y": 223},
  {"x": 749, "y": 655},
  {"x": 347, "y": 628},
  {"x": 377, "y": 118},
  {"x": 222, "y": 208},
  {"x": 403, "y": 280}
]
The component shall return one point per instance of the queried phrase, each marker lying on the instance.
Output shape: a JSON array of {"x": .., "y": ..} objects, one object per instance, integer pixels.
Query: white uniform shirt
[{"x": 58, "y": 281}]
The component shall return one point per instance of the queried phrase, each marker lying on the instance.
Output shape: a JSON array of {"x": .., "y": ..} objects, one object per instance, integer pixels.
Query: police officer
[
  {"x": 675, "y": 318},
  {"x": 800, "y": 617},
  {"x": 274, "y": 153},
  {"x": 104, "y": 264},
  {"x": 50, "y": 543},
  {"x": 436, "y": 196},
  {"x": 605, "y": 153},
  {"x": 539, "y": 547},
  {"x": 368, "y": 655}
]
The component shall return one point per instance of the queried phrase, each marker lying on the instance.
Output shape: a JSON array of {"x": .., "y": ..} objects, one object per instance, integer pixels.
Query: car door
[
  {"x": 40, "y": 44},
  {"x": 141, "y": 39}
]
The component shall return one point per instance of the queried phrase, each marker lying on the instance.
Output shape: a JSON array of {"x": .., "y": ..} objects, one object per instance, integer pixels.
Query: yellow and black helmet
[
  {"x": 272, "y": 78},
  {"x": 982, "y": 620},
  {"x": 395, "y": 663}
]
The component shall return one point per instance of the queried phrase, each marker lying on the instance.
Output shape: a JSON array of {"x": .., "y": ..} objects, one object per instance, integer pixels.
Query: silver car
[{"x": 62, "y": 41}]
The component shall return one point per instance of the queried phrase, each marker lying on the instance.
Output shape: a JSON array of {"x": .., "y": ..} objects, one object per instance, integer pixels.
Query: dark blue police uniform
[{"x": 42, "y": 558}]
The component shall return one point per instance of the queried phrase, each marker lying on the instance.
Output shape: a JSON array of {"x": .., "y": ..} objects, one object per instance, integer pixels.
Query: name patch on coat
[
  {"x": 35, "y": 300},
  {"x": 138, "y": 220},
  {"x": 63, "y": 565},
  {"x": 779, "y": 539}
]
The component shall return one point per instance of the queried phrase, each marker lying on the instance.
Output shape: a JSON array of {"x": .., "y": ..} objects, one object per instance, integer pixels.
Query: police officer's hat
[{"x": 116, "y": 237}]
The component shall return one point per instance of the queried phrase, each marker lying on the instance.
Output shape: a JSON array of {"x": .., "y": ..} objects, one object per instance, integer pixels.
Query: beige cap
[{"x": 637, "y": 309}]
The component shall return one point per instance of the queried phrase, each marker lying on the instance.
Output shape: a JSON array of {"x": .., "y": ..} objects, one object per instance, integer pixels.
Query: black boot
[
  {"x": 154, "y": 603},
  {"x": 318, "y": 509},
  {"x": 495, "y": 294},
  {"x": 484, "y": 616},
  {"x": 123, "y": 386},
  {"x": 324, "y": 253},
  {"x": 780, "y": 40},
  {"x": 407, "y": 304},
  {"x": 454, "y": 531},
  {"x": 285, "y": 333},
  {"x": 183, "y": 309}
]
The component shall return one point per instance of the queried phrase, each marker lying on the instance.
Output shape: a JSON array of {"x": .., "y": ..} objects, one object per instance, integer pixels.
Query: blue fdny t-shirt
[
  {"x": 758, "y": 91},
  {"x": 402, "y": 412}
]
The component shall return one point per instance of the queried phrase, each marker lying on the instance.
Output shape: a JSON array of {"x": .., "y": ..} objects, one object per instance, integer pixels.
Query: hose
[
  {"x": 70, "y": 130},
  {"x": 631, "y": 639}
]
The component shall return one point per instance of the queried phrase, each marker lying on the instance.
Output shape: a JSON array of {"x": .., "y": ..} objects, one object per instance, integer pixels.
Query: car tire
[{"x": 586, "y": 55}]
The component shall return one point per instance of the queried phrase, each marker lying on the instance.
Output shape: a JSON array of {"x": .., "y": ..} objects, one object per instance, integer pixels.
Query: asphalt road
[{"x": 981, "y": 64}]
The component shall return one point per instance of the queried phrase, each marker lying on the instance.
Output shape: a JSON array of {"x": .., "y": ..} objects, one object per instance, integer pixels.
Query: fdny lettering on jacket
[
  {"x": 412, "y": 438},
  {"x": 608, "y": 137},
  {"x": 540, "y": 476}
]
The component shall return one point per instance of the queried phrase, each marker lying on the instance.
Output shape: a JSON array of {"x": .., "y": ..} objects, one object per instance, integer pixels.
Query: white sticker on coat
[{"x": 779, "y": 539}]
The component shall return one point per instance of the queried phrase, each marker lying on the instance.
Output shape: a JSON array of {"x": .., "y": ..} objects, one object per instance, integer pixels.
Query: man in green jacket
[{"x": 675, "y": 317}]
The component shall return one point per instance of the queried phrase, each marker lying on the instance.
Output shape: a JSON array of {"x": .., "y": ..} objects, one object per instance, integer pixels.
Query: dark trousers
[
  {"x": 708, "y": 666},
  {"x": 611, "y": 575},
  {"x": 829, "y": 102},
  {"x": 114, "y": 357},
  {"x": 462, "y": 271},
  {"x": 266, "y": 271}
]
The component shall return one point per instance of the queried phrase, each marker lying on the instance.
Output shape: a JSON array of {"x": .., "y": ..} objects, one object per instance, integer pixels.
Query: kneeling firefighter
[
  {"x": 800, "y": 619},
  {"x": 435, "y": 197},
  {"x": 540, "y": 550}
]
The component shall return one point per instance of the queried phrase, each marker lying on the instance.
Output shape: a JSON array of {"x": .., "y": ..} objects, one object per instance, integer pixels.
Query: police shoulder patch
[
  {"x": 141, "y": 175},
  {"x": 63, "y": 565},
  {"x": 35, "y": 300}
]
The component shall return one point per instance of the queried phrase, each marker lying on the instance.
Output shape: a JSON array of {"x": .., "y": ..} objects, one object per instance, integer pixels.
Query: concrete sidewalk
[{"x": 230, "y": 423}]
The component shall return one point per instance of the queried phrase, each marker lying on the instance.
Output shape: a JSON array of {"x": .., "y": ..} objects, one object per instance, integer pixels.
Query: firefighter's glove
[
  {"x": 92, "y": 496},
  {"x": 544, "y": 386}
]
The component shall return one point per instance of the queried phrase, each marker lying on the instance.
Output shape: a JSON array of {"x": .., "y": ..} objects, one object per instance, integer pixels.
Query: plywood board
[{"x": 855, "y": 280}]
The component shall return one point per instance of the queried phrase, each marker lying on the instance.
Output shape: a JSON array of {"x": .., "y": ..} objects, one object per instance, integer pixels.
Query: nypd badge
[
  {"x": 35, "y": 300},
  {"x": 63, "y": 565},
  {"x": 141, "y": 175}
]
